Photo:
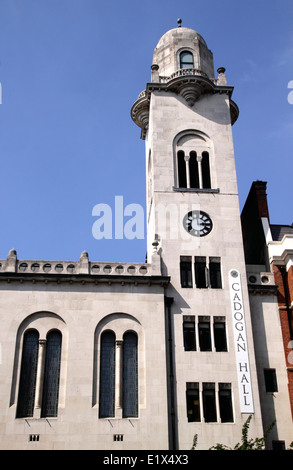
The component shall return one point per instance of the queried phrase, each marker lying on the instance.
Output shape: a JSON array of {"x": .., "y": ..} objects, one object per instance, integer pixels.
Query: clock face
[{"x": 197, "y": 223}]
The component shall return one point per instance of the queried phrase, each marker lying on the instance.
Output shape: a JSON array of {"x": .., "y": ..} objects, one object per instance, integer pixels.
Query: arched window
[
  {"x": 39, "y": 356},
  {"x": 186, "y": 60},
  {"x": 130, "y": 379},
  {"x": 181, "y": 169},
  {"x": 51, "y": 375},
  {"x": 205, "y": 168},
  {"x": 107, "y": 375},
  {"x": 192, "y": 150},
  {"x": 193, "y": 171},
  {"x": 28, "y": 375}
]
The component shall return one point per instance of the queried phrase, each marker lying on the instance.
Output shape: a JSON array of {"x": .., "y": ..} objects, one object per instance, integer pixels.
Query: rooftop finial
[{"x": 179, "y": 21}]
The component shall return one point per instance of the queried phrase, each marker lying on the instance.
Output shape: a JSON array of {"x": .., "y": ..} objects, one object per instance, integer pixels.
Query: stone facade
[
  {"x": 268, "y": 250},
  {"x": 201, "y": 333}
]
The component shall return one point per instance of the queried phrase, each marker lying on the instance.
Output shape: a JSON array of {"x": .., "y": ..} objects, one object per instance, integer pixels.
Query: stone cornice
[
  {"x": 10, "y": 277},
  {"x": 262, "y": 290},
  {"x": 190, "y": 87}
]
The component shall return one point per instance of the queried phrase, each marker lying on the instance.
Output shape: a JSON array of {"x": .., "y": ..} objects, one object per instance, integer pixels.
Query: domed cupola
[
  {"x": 183, "y": 49},
  {"x": 183, "y": 65}
]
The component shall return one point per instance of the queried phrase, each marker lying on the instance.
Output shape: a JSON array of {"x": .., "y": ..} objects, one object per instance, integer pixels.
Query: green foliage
[
  {"x": 246, "y": 444},
  {"x": 194, "y": 444}
]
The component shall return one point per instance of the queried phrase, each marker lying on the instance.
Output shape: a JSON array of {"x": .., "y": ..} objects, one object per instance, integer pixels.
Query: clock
[{"x": 197, "y": 223}]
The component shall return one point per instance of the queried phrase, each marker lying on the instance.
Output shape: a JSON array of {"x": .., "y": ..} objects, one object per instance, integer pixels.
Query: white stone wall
[
  {"x": 209, "y": 117},
  {"x": 270, "y": 355},
  {"x": 82, "y": 312}
]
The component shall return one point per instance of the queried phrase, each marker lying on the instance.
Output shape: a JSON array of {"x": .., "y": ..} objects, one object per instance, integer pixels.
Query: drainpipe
[
  {"x": 171, "y": 378},
  {"x": 283, "y": 274}
]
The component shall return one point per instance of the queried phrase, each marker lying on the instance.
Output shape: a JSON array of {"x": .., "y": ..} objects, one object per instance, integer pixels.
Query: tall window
[
  {"x": 118, "y": 375},
  {"x": 130, "y": 382},
  {"x": 32, "y": 364},
  {"x": 186, "y": 60},
  {"x": 185, "y": 271},
  {"x": 182, "y": 179},
  {"x": 189, "y": 333},
  {"x": 215, "y": 273},
  {"x": 204, "y": 334},
  {"x": 205, "y": 169},
  {"x": 200, "y": 272},
  {"x": 192, "y": 402},
  {"x": 193, "y": 170},
  {"x": 270, "y": 380},
  {"x": 107, "y": 375},
  {"x": 28, "y": 375},
  {"x": 51, "y": 375},
  {"x": 225, "y": 403},
  {"x": 220, "y": 337},
  {"x": 209, "y": 403}
]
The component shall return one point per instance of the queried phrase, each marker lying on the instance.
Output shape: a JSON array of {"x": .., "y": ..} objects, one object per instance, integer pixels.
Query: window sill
[{"x": 196, "y": 190}]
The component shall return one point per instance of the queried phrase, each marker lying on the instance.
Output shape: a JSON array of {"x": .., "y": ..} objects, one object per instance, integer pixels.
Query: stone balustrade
[
  {"x": 183, "y": 73},
  {"x": 83, "y": 266}
]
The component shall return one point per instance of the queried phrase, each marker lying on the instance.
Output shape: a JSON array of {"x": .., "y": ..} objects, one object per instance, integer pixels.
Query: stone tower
[{"x": 193, "y": 219}]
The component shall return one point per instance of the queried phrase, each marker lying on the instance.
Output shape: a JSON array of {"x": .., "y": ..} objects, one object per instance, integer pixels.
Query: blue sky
[{"x": 70, "y": 71}]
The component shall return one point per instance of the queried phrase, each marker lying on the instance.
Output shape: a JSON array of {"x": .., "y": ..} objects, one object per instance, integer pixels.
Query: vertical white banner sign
[{"x": 241, "y": 347}]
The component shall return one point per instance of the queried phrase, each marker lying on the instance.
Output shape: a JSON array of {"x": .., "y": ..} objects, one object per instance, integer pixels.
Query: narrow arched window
[
  {"x": 130, "y": 376},
  {"x": 51, "y": 374},
  {"x": 28, "y": 375},
  {"x": 205, "y": 168},
  {"x": 186, "y": 60},
  {"x": 107, "y": 375},
  {"x": 182, "y": 181},
  {"x": 193, "y": 171}
]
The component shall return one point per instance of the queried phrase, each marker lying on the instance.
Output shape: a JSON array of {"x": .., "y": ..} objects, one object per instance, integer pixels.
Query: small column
[
  {"x": 222, "y": 79},
  {"x": 199, "y": 159},
  {"x": 118, "y": 377},
  {"x": 155, "y": 73},
  {"x": 40, "y": 373},
  {"x": 187, "y": 158}
]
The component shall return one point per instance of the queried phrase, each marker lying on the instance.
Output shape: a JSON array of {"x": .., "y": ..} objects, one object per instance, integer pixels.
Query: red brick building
[{"x": 272, "y": 245}]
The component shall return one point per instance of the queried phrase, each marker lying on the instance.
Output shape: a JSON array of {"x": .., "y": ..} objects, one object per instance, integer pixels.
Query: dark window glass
[
  {"x": 28, "y": 375},
  {"x": 130, "y": 376},
  {"x": 186, "y": 60},
  {"x": 107, "y": 375},
  {"x": 192, "y": 403},
  {"x": 220, "y": 336},
  {"x": 200, "y": 273},
  {"x": 215, "y": 274},
  {"x": 189, "y": 334},
  {"x": 270, "y": 380},
  {"x": 204, "y": 336},
  {"x": 205, "y": 168},
  {"x": 185, "y": 273},
  {"x": 193, "y": 171},
  {"x": 182, "y": 181},
  {"x": 209, "y": 403},
  {"x": 51, "y": 375},
  {"x": 225, "y": 402}
]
